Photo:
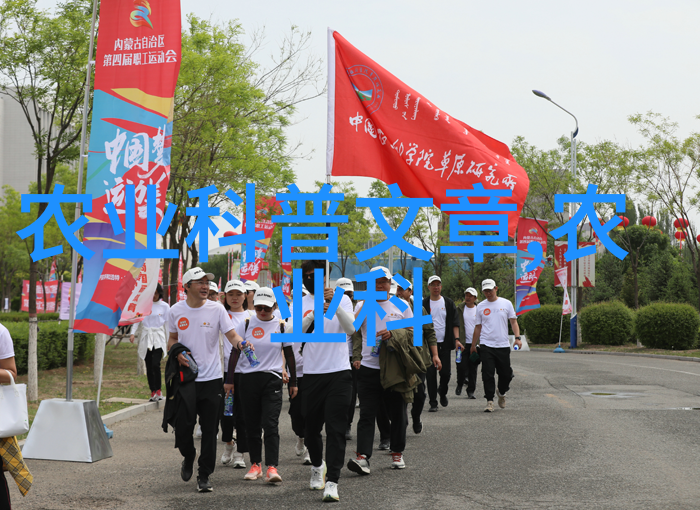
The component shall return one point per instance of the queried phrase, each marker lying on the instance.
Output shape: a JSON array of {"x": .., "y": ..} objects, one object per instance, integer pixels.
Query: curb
[{"x": 637, "y": 354}]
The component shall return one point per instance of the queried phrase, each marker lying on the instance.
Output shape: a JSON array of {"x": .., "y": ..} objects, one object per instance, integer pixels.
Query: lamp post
[{"x": 572, "y": 211}]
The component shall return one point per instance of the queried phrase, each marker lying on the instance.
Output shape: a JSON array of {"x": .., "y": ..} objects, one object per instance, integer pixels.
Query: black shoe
[
  {"x": 458, "y": 389},
  {"x": 186, "y": 469},
  {"x": 417, "y": 426},
  {"x": 471, "y": 396},
  {"x": 348, "y": 434},
  {"x": 443, "y": 400},
  {"x": 384, "y": 444},
  {"x": 203, "y": 484},
  {"x": 433, "y": 409}
]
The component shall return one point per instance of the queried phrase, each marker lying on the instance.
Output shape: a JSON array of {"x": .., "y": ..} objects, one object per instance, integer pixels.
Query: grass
[
  {"x": 631, "y": 348},
  {"x": 119, "y": 379}
]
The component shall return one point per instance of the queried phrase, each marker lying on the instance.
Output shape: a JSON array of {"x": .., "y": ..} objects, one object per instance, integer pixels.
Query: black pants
[
  {"x": 209, "y": 396},
  {"x": 418, "y": 400},
  {"x": 152, "y": 360},
  {"x": 466, "y": 371},
  {"x": 298, "y": 422},
  {"x": 369, "y": 388},
  {"x": 445, "y": 373},
  {"x": 495, "y": 359},
  {"x": 383, "y": 421},
  {"x": 262, "y": 401},
  {"x": 227, "y": 422},
  {"x": 353, "y": 397},
  {"x": 4, "y": 491},
  {"x": 326, "y": 400},
  {"x": 239, "y": 412}
]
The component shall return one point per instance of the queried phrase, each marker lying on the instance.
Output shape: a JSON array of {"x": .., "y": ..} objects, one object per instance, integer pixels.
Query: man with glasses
[{"x": 195, "y": 323}]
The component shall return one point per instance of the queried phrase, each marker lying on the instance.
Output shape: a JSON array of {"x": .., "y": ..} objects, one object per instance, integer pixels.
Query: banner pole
[{"x": 78, "y": 213}]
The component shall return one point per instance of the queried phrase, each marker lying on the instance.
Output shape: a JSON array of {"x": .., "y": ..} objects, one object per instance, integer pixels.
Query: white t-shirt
[
  {"x": 158, "y": 317},
  {"x": 236, "y": 319},
  {"x": 392, "y": 314},
  {"x": 469, "y": 323},
  {"x": 198, "y": 329},
  {"x": 269, "y": 353},
  {"x": 437, "y": 310},
  {"x": 326, "y": 357},
  {"x": 493, "y": 317},
  {"x": 357, "y": 307},
  {"x": 7, "y": 350}
]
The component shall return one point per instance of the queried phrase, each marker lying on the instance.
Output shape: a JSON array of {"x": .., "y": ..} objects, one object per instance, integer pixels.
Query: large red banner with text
[{"x": 529, "y": 230}]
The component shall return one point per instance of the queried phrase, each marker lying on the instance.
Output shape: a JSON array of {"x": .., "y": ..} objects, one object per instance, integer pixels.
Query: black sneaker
[
  {"x": 384, "y": 444},
  {"x": 417, "y": 426},
  {"x": 471, "y": 396},
  {"x": 187, "y": 466},
  {"x": 433, "y": 409},
  {"x": 443, "y": 400},
  {"x": 348, "y": 434},
  {"x": 458, "y": 389},
  {"x": 203, "y": 484}
]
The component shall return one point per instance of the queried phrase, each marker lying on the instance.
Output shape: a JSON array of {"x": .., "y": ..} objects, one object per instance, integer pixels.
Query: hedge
[
  {"x": 51, "y": 345},
  {"x": 542, "y": 324},
  {"x": 668, "y": 326},
  {"x": 607, "y": 323},
  {"x": 24, "y": 317}
]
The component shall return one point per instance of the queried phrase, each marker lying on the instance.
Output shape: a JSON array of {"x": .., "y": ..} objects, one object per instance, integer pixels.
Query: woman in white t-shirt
[
  {"x": 251, "y": 288},
  {"x": 7, "y": 366},
  {"x": 235, "y": 298},
  {"x": 261, "y": 385},
  {"x": 153, "y": 341}
]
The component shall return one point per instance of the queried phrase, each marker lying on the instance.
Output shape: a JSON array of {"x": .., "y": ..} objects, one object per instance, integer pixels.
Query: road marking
[
  {"x": 560, "y": 400},
  {"x": 652, "y": 368}
]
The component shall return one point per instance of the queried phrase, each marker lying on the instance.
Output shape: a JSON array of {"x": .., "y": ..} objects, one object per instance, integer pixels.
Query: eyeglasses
[{"x": 262, "y": 308}]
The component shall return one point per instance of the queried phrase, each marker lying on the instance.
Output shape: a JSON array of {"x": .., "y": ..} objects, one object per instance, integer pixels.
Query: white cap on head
[
  {"x": 434, "y": 278},
  {"x": 472, "y": 291},
  {"x": 410, "y": 286},
  {"x": 345, "y": 284},
  {"x": 387, "y": 273},
  {"x": 250, "y": 285},
  {"x": 235, "y": 285},
  {"x": 488, "y": 284},
  {"x": 196, "y": 273},
  {"x": 213, "y": 286},
  {"x": 264, "y": 296}
]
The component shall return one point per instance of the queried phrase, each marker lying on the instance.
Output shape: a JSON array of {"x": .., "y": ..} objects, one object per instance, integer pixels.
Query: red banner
[
  {"x": 265, "y": 208},
  {"x": 529, "y": 230},
  {"x": 380, "y": 127},
  {"x": 50, "y": 298},
  {"x": 560, "y": 248}
]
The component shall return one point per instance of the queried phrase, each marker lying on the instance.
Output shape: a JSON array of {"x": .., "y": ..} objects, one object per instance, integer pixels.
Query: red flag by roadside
[{"x": 380, "y": 127}]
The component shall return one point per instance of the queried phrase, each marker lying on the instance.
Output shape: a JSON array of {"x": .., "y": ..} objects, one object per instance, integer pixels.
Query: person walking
[
  {"x": 349, "y": 290},
  {"x": 444, "y": 313},
  {"x": 152, "y": 341},
  {"x": 491, "y": 332},
  {"x": 466, "y": 369},
  {"x": 195, "y": 324}
]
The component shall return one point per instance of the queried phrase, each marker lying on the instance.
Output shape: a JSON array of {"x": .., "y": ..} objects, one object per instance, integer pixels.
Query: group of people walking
[{"x": 228, "y": 364}]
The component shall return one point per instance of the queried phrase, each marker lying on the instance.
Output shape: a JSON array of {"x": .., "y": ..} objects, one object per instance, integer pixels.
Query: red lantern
[
  {"x": 698, "y": 238},
  {"x": 680, "y": 223},
  {"x": 680, "y": 236},
  {"x": 229, "y": 233},
  {"x": 625, "y": 222},
  {"x": 649, "y": 221}
]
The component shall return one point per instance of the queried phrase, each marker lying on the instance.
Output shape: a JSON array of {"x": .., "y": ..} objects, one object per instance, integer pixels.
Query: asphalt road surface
[{"x": 579, "y": 431}]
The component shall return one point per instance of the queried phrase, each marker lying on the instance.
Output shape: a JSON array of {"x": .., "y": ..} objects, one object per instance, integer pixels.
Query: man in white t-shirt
[
  {"x": 466, "y": 369},
  {"x": 405, "y": 295},
  {"x": 195, "y": 323},
  {"x": 491, "y": 331}
]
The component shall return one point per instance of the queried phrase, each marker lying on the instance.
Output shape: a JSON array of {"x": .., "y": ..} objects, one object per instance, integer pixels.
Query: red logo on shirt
[
  {"x": 487, "y": 311},
  {"x": 258, "y": 333},
  {"x": 307, "y": 312},
  {"x": 183, "y": 324}
]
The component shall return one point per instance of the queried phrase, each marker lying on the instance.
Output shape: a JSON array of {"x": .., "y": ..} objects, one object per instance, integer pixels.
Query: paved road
[{"x": 580, "y": 431}]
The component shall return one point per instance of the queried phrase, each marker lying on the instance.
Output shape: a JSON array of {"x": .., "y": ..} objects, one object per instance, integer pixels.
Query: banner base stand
[
  {"x": 68, "y": 431},
  {"x": 559, "y": 349}
]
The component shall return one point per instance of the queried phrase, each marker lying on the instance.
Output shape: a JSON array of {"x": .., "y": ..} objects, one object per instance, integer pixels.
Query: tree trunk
[
  {"x": 636, "y": 285},
  {"x": 32, "y": 360},
  {"x": 100, "y": 342}
]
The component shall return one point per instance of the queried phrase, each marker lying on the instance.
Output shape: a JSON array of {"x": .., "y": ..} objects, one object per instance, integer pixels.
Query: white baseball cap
[
  {"x": 345, "y": 284},
  {"x": 213, "y": 286},
  {"x": 196, "y": 273},
  {"x": 264, "y": 296},
  {"x": 250, "y": 285},
  {"x": 383, "y": 269},
  {"x": 235, "y": 285},
  {"x": 488, "y": 284},
  {"x": 410, "y": 285},
  {"x": 472, "y": 291},
  {"x": 434, "y": 278}
]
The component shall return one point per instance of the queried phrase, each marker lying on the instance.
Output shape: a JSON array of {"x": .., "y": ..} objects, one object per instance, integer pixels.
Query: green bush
[
  {"x": 24, "y": 317},
  {"x": 542, "y": 324},
  {"x": 51, "y": 345},
  {"x": 607, "y": 323},
  {"x": 668, "y": 326}
]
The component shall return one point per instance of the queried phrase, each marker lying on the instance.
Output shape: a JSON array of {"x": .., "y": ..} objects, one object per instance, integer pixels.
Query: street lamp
[{"x": 572, "y": 211}]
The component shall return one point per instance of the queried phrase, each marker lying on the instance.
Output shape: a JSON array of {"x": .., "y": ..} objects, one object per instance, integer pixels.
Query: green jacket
[{"x": 429, "y": 340}]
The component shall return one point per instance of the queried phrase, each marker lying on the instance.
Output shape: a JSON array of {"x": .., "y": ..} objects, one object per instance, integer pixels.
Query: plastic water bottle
[
  {"x": 252, "y": 358},
  {"x": 376, "y": 348},
  {"x": 193, "y": 365},
  {"x": 228, "y": 404},
  {"x": 515, "y": 347},
  {"x": 459, "y": 355}
]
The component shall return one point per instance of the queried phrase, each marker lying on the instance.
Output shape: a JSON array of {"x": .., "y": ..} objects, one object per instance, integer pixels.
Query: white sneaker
[
  {"x": 227, "y": 457},
  {"x": 489, "y": 407},
  {"x": 318, "y": 477},
  {"x": 397, "y": 461},
  {"x": 238, "y": 460},
  {"x": 198, "y": 432},
  {"x": 307, "y": 457},
  {"x": 299, "y": 447},
  {"x": 360, "y": 465},
  {"x": 330, "y": 494},
  {"x": 501, "y": 400}
]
